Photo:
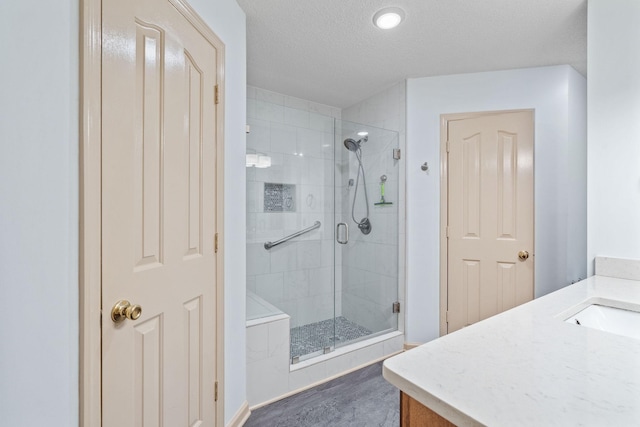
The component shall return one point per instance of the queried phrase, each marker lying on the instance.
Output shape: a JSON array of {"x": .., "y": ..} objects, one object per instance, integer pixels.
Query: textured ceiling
[{"x": 328, "y": 51}]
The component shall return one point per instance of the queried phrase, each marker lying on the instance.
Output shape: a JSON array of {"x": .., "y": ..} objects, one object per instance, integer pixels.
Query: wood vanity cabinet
[{"x": 415, "y": 414}]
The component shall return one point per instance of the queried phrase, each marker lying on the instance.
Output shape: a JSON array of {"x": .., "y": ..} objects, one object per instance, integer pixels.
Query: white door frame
[
  {"x": 444, "y": 200},
  {"x": 90, "y": 242}
]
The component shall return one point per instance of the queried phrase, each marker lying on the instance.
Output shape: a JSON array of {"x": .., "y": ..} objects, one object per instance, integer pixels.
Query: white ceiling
[{"x": 328, "y": 51}]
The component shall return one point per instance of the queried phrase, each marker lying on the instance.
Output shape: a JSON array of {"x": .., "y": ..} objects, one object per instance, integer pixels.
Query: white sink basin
[{"x": 615, "y": 317}]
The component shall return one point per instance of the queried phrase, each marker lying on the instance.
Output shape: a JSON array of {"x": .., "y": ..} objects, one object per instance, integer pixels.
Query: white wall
[
  {"x": 39, "y": 208},
  {"x": 576, "y": 175},
  {"x": 614, "y": 129},
  {"x": 556, "y": 94},
  {"x": 39, "y": 213},
  {"x": 228, "y": 21}
]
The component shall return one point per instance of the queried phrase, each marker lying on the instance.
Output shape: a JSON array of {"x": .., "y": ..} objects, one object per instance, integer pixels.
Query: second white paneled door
[
  {"x": 490, "y": 219},
  {"x": 159, "y": 139}
]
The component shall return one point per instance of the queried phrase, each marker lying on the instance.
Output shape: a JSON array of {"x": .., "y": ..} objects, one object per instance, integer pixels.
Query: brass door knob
[
  {"x": 523, "y": 255},
  {"x": 124, "y": 310}
]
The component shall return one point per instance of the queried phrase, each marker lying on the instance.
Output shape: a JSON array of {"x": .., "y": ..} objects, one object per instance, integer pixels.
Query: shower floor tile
[{"x": 314, "y": 337}]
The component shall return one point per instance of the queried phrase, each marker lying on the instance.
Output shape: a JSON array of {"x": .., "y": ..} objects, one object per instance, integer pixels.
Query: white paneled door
[
  {"x": 159, "y": 130},
  {"x": 490, "y": 216}
]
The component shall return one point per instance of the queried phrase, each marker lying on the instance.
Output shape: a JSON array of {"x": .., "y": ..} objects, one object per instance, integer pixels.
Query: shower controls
[
  {"x": 346, "y": 233},
  {"x": 365, "y": 226},
  {"x": 356, "y": 147}
]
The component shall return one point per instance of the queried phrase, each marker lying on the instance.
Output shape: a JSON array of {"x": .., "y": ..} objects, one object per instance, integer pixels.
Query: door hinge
[
  {"x": 448, "y": 147},
  {"x": 396, "y": 307},
  {"x": 447, "y": 231},
  {"x": 215, "y": 243},
  {"x": 446, "y": 316},
  {"x": 215, "y": 392},
  {"x": 216, "y": 96}
]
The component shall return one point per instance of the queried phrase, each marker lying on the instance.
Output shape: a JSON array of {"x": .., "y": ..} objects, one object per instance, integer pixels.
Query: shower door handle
[{"x": 346, "y": 233}]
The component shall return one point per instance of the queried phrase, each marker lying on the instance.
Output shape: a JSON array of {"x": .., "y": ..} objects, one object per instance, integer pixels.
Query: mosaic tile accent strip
[
  {"x": 314, "y": 337},
  {"x": 279, "y": 197}
]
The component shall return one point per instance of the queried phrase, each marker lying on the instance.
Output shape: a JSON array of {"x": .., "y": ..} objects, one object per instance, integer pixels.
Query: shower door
[
  {"x": 366, "y": 254},
  {"x": 298, "y": 195},
  {"x": 290, "y": 193}
]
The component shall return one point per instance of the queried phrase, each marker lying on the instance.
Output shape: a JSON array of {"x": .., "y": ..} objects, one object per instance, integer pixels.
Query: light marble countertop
[{"x": 527, "y": 367}]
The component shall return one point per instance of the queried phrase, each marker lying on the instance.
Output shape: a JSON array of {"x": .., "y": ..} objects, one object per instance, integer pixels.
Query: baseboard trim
[
  {"x": 324, "y": 380},
  {"x": 410, "y": 345},
  {"x": 241, "y": 416}
]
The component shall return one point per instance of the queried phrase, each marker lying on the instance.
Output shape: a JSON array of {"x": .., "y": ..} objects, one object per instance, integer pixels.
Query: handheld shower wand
[{"x": 356, "y": 147}]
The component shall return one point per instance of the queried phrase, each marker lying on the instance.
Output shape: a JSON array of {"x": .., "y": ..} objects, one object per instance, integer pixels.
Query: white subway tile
[
  {"x": 284, "y": 257},
  {"x": 309, "y": 143},
  {"x": 328, "y": 145},
  {"x": 257, "y": 342},
  {"x": 296, "y": 284},
  {"x": 321, "y": 281},
  {"x": 322, "y": 109},
  {"x": 251, "y": 283},
  {"x": 311, "y": 199},
  {"x": 251, "y": 174},
  {"x": 321, "y": 122},
  {"x": 251, "y": 92},
  {"x": 253, "y": 196},
  {"x": 269, "y": 112},
  {"x": 306, "y": 376},
  {"x": 251, "y": 109},
  {"x": 295, "y": 117},
  {"x": 258, "y": 259},
  {"x": 297, "y": 103},
  {"x": 251, "y": 227},
  {"x": 259, "y": 138},
  {"x": 283, "y": 138},
  {"x": 267, "y": 379},
  {"x": 269, "y": 97},
  {"x": 393, "y": 345},
  {"x": 309, "y": 254},
  {"x": 279, "y": 339},
  {"x": 328, "y": 249},
  {"x": 270, "y": 287},
  {"x": 273, "y": 173}
]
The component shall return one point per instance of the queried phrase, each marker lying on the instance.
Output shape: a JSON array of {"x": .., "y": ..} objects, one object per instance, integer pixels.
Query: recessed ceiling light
[
  {"x": 363, "y": 133},
  {"x": 389, "y": 17}
]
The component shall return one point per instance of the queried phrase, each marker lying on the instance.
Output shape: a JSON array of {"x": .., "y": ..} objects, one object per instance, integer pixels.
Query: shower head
[{"x": 353, "y": 145}]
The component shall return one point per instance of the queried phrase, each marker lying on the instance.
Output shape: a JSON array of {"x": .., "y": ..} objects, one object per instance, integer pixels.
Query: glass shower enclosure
[{"x": 322, "y": 227}]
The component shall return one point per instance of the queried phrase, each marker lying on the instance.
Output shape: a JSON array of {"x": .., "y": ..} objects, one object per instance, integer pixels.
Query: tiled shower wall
[
  {"x": 375, "y": 276},
  {"x": 297, "y": 276}
]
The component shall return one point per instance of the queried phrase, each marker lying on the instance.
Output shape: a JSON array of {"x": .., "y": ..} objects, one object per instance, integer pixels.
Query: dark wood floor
[{"x": 359, "y": 399}]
